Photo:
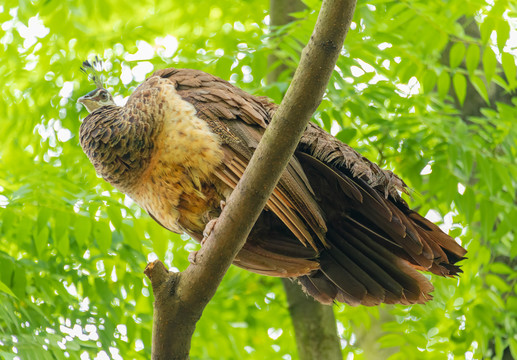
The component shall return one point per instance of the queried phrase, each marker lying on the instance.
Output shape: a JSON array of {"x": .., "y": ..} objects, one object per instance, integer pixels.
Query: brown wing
[
  {"x": 366, "y": 240},
  {"x": 220, "y": 104}
]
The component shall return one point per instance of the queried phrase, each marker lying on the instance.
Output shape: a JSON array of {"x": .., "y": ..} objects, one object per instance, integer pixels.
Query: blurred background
[{"x": 424, "y": 88}]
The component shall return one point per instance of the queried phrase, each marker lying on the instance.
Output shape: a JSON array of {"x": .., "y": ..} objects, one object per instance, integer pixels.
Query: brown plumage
[{"x": 335, "y": 222}]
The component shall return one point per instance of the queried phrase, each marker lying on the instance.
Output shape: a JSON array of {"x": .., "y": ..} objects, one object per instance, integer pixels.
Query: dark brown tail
[{"x": 377, "y": 244}]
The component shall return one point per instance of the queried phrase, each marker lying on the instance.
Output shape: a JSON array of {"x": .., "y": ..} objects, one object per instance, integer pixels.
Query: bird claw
[
  {"x": 222, "y": 204},
  {"x": 208, "y": 230},
  {"x": 192, "y": 257}
]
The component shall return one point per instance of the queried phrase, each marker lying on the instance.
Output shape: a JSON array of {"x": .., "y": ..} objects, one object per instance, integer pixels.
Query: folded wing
[{"x": 340, "y": 225}]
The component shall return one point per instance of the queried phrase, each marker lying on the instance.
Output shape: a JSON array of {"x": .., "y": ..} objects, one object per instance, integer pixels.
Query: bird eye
[{"x": 104, "y": 96}]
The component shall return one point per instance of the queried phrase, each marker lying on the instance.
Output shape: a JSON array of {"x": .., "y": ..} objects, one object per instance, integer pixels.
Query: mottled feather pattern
[
  {"x": 156, "y": 145},
  {"x": 119, "y": 143},
  {"x": 335, "y": 221},
  {"x": 329, "y": 150}
]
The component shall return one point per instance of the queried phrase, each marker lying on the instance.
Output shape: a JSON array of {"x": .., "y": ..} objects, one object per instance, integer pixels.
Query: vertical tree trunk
[
  {"x": 279, "y": 14},
  {"x": 368, "y": 339},
  {"x": 314, "y": 324}
]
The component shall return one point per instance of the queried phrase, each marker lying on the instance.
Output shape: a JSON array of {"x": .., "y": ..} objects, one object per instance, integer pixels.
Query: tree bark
[
  {"x": 314, "y": 323},
  {"x": 279, "y": 14},
  {"x": 181, "y": 297},
  {"x": 368, "y": 339}
]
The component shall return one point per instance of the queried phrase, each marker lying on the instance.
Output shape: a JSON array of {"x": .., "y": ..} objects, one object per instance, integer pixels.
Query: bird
[{"x": 335, "y": 223}]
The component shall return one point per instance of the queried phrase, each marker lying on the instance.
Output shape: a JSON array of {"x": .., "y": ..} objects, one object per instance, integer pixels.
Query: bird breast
[{"x": 179, "y": 188}]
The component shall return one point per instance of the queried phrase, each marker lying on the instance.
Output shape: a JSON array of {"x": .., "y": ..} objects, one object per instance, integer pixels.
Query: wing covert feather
[{"x": 222, "y": 105}]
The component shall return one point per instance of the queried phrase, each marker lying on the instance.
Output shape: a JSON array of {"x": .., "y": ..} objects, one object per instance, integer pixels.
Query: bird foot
[
  {"x": 208, "y": 230},
  {"x": 206, "y": 233},
  {"x": 222, "y": 204},
  {"x": 192, "y": 257}
]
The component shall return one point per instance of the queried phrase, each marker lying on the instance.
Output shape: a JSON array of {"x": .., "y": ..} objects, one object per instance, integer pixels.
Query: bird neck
[{"x": 119, "y": 143}]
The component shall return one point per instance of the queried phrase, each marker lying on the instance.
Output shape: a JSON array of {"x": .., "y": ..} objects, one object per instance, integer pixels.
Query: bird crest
[{"x": 91, "y": 69}]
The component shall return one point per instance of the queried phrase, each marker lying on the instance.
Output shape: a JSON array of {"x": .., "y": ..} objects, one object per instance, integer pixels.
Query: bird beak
[
  {"x": 87, "y": 102},
  {"x": 82, "y": 99}
]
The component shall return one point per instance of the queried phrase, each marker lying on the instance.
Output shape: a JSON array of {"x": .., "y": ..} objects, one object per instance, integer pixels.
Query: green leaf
[
  {"x": 7, "y": 266},
  {"x": 346, "y": 135},
  {"x": 391, "y": 340},
  {"x": 510, "y": 70},
  {"x": 327, "y": 123},
  {"x": 497, "y": 282},
  {"x": 23, "y": 232},
  {"x": 489, "y": 63},
  {"x": 444, "y": 82},
  {"x": 513, "y": 248},
  {"x": 61, "y": 224},
  {"x": 19, "y": 282},
  {"x": 102, "y": 234},
  {"x": 43, "y": 217},
  {"x": 8, "y": 219},
  {"x": 511, "y": 303},
  {"x": 63, "y": 244},
  {"x": 455, "y": 232},
  {"x": 488, "y": 216},
  {"x": 159, "y": 241},
  {"x": 8, "y": 356},
  {"x": 500, "y": 268},
  {"x": 460, "y": 86},
  {"x": 480, "y": 87},
  {"x": 504, "y": 176},
  {"x": 72, "y": 345},
  {"x": 131, "y": 238},
  {"x": 114, "y": 215},
  {"x": 5, "y": 289},
  {"x": 503, "y": 34},
  {"x": 41, "y": 241},
  {"x": 429, "y": 81},
  {"x": 407, "y": 71},
  {"x": 223, "y": 66},
  {"x": 472, "y": 59},
  {"x": 487, "y": 174},
  {"x": 512, "y": 342},
  {"x": 82, "y": 230},
  {"x": 499, "y": 348},
  {"x": 486, "y": 28},
  {"x": 456, "y": 54}
]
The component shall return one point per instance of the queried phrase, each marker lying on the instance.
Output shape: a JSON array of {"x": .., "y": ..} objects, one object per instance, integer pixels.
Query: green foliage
[{"x": 72, "y": 249}]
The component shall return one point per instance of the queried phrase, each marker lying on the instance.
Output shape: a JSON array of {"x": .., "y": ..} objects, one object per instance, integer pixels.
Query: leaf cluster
[{"x": 424, "y": 88}]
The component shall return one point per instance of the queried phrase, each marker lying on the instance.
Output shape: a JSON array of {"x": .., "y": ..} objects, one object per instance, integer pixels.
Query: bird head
[
  {"x": 95, "y": 99},
  {"x": 99, "y": 97}
]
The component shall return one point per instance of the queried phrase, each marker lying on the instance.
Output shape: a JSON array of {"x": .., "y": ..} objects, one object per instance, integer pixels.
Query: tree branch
[
  {"x": 314, "y": 323},
  {"x": 181, "y": 298}
]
